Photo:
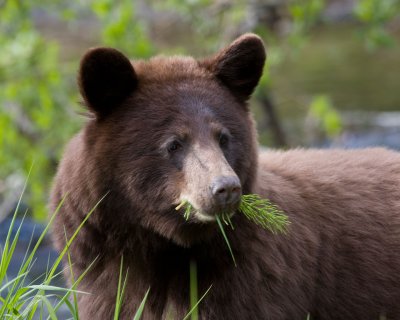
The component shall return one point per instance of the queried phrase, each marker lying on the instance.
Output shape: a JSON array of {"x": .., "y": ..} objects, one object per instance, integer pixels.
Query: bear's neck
[{"x": 148, "y": 252}]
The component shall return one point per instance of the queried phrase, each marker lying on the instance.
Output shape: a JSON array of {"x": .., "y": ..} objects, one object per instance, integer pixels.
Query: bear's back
[{"x": 344, "y": 206}]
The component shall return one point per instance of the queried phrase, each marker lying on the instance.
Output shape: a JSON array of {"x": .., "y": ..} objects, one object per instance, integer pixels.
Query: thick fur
[{"x": 339, "y": 260}]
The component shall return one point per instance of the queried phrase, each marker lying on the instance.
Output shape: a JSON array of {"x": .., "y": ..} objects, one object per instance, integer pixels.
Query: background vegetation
[{"x": 332, "y": 75}]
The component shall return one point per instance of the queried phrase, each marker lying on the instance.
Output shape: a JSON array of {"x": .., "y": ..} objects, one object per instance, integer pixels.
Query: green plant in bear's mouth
[
  {"x": 188, "y": 208},
  {"x": 260, "y": 211},
  {"x": 264, "y": 213},
  {"x": 221, "y": 227}
]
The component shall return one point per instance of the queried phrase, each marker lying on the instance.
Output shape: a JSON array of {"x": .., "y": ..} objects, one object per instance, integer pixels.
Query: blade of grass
[
  {"x": 27, "y": 264},
  {"x": 196, "y": 305},
  {"x": 74, "y": 285},
  {"x": 221, "y": 227},
  {"x": 139, "y": 311},
  {"x": 74, "y": 312},
  {"x": 50, "y": 308},
  {"x": 70, "y": 307},
  {"x": 7, "y": 253},
  {"x": 193, "y": 290},
  {"x": 17, "y": 208},
  {"x": 9, "y": 283},
  {"x": 120, "y": 290},
  {"x": 183, "y": 203},
  {"x": 188, "y": 208},
  {"x": 230, "y": 222},
  {"x": 54, "y": 288},
  {"x": 8, "y": 250},
  {"x": 68, "y": 244}
]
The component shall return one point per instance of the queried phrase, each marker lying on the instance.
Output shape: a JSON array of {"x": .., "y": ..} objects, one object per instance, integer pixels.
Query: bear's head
[{"x": 172, "y": 129}]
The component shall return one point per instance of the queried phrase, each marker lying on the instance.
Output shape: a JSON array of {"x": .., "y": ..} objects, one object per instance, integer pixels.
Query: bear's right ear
[{"x": 106, "y": 78}]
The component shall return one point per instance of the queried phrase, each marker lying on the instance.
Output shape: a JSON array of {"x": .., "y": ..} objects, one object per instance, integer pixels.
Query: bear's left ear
[
  {"x": 106, "y": 78},
  {"x": 240, "y": 65}
]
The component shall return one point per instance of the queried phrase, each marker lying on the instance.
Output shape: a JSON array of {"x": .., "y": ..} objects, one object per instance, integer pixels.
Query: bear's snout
[{"x": 226, "y": 190}]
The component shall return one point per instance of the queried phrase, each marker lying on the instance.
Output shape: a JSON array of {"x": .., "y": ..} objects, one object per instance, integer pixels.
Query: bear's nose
[{"x": 226, "y": 190}]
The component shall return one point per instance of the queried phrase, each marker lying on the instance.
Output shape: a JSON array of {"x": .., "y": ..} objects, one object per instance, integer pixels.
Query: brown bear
[{"x": 177, "y": 128}]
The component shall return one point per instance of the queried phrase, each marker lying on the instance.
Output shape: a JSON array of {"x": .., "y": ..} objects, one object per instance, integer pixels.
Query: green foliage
[
  {"x": 207, "y": 21},
  {"x": 326, "y": 116},
  {"x": 120, "y": 28},
  {"x": 34, "y": 100},
  {"x": 305, "y": 15},
  {"x": 38, "y": 99},
  {"x": 375, "y": 14}
]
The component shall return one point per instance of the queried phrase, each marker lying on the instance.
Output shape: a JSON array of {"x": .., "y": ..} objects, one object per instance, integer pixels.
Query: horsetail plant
[{"x": 264, "y": 213}]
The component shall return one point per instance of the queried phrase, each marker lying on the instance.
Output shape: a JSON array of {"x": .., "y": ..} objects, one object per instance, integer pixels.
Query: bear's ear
[
  {"x": 240, "y": 65},
  {"x": 106, "y": 78}
]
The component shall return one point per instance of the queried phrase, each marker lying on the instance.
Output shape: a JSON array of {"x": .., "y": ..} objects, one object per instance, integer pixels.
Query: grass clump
[
  {"x": 19, "y": 300},
  {"x": 22, "y": 300}
]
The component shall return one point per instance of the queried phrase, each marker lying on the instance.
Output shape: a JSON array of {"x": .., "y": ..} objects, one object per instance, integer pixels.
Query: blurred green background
[{"x": 332, "y": 76}]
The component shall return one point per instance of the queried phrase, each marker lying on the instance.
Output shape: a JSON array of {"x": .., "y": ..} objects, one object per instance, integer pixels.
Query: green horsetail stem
[{"x": 264, "y": 213}]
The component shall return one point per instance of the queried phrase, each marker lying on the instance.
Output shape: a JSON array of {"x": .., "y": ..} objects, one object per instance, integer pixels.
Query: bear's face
[{"x": 174, "y": 129}]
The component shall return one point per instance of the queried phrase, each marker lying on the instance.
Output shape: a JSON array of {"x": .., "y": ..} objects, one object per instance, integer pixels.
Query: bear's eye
[
  {"x": 174, "y": 146},
  {"x": 223, "y": 139}
]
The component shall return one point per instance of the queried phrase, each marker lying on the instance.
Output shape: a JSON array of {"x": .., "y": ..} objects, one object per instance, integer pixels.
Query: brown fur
[{"x": 339, "y": 260}]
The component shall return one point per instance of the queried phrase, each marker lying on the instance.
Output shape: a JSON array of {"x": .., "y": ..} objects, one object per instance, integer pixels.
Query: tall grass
[
  {"x": 22, "y": 300},
  {"x": 19, "y": 300}
]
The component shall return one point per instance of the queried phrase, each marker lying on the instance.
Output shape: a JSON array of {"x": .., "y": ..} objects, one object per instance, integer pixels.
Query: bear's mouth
[
  {"x": 191, "y": 213},
  {"x": 205, "y": 217}
]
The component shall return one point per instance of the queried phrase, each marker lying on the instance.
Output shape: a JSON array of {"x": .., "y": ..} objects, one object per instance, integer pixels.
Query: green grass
[
  {"x": 19, "y": 300},
  {"x": 194, "y": 297},
  {"x": 24, "y": 301}
]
